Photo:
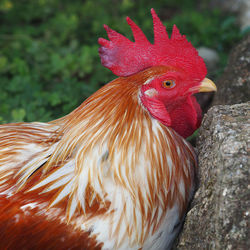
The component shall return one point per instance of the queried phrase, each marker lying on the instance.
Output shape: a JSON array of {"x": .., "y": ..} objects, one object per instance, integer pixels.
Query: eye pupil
[{"x": 168, "y": 84}]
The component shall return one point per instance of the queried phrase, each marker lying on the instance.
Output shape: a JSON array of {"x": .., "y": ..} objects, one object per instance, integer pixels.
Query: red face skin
[{"x": 174, "y": 105}]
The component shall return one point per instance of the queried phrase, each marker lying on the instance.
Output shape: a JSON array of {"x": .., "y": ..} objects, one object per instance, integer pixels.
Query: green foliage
[{"x": 49, "y": 59}]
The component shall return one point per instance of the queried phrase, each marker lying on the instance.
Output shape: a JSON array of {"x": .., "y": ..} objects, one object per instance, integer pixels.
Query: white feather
[
  {"x": 65, "y": 191},
  {"x": 66, "y": 171}
]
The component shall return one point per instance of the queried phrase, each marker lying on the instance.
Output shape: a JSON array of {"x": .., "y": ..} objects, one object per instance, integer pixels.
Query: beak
[{"x": 207, "y": 86}]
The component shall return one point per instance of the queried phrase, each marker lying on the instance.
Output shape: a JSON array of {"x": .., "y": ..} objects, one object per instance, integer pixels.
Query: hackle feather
[{"x": 107, "y": 161}]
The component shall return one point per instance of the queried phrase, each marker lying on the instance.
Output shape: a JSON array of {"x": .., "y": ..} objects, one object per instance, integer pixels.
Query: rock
[
  {"x": 210, "y": 57},
  {"x": 219, "y": 215},
  {"x": 233, "y": 86},
  {"x": 244, "y": 16},
  {"x": 239, "y": 7},
  {"x": 232, "y": 6}
]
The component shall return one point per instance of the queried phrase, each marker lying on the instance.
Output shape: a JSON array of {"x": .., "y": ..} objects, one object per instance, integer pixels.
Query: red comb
[{"x": 125, "y": 58}]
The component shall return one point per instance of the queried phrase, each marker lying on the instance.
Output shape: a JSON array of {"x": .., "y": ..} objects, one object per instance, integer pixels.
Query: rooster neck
[
  {"x": 111, "y": 168},
  {"x": 108, "y": 136}
]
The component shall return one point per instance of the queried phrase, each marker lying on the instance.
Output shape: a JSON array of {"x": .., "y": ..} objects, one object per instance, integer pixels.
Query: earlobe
[{"x": 151, "y": 92}]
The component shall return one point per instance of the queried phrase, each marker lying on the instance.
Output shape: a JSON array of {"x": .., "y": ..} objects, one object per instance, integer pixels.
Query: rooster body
[{"x": 116, "y": 173}]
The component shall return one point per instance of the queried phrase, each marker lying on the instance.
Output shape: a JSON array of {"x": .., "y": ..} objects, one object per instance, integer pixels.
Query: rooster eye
[{"x": 168, "y": 84}]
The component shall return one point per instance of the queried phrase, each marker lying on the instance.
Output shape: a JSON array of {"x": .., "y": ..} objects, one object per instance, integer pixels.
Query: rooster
[{"x": 116, "y": 173}]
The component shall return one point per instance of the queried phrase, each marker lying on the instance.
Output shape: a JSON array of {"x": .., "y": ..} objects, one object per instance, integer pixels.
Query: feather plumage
[
  {"x": 113, "y": 174},
  {"x": 96, "y": 164}
]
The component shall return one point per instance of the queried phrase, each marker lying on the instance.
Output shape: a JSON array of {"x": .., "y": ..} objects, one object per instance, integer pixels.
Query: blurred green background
[{"x": 49, "y": 59}]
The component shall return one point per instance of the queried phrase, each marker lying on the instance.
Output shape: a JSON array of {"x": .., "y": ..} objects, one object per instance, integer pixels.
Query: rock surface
[
  {"x": 233, "y": 6},
  {"x": 210, "y": 57},
  {"x": 234, "y": 84},
  {"x": 219, "y": 215},
  {"x": 244, "y": 16},
  {"x": 239, "y": 7}
]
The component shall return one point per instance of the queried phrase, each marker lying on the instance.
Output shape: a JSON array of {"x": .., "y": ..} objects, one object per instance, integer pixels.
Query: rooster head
[{"x": 173, "y": 68}]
